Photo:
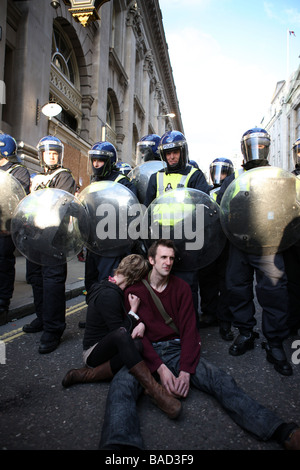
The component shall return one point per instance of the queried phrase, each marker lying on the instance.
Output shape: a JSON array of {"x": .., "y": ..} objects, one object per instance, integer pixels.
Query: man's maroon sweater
[{"x": 178, "y": 303}]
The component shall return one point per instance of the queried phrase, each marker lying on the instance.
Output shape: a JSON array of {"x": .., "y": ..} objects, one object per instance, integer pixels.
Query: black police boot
[
  {"x": 242, "y": 343},
  {"x": 225, "y": 331},
  {"x": 49, "y": 342},
  {"x": 4, "y": 306},
  {"x": 34, "y": 327},
  {"x": 276, "y": 355}
]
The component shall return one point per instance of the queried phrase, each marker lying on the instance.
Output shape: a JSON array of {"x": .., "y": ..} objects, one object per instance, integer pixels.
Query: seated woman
[{"x": 111, "y": 338}]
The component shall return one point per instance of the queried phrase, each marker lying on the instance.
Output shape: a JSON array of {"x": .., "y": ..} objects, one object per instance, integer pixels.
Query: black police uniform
[
  {"x": 48, "y": 282},
  {"x": 185, "y": 271},
  {"x": 292, "y": 267},
  {"x": 271, "y": 290},
  {"x": 7, "y": 247}
]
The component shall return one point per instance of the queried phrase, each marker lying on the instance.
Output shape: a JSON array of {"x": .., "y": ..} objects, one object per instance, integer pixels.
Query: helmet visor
[
  {"x": 219, "y": 171},
  {"x": 51, "y": 154},
  {"x": 255, "y": 146},
  {"x": 144, "y": 152}
]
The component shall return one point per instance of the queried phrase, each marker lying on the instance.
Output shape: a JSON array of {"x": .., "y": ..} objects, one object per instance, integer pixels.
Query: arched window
[
  {"x": 63, "y": 56},
  {"x": 110, "y": 114},
  {"x": 65, "y": 80}
]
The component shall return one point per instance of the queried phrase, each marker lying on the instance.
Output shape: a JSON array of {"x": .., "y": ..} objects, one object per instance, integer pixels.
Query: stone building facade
[
  {"x": 112, "y": 78},
  {"x": 282, "y": 121}
]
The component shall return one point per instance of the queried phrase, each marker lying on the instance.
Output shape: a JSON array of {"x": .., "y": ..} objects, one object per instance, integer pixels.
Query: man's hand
[
  {"x": 167, "y": 379},
  {"x": 176, "y": 386},
  {"x": 182, "y": 384}
]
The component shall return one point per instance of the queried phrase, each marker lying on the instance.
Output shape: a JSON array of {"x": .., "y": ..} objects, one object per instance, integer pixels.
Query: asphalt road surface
[{"x": 37, "y": 413}]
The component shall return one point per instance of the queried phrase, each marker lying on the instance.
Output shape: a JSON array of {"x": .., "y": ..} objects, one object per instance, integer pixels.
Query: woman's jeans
[{"x": 121, "y": 422}]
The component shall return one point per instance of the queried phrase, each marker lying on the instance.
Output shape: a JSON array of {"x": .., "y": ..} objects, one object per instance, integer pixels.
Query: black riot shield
[
  {"x": 114, "y": 217},
  {"x": 260, "y": 210},
  {"x": 191, "y": 219},
  {"x": 49, "y": 227}
]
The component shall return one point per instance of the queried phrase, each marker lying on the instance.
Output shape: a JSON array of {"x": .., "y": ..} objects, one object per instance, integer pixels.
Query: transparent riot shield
[
  {"x": 191, "y": 219},
  {"x": 11, "y": 193},
  {"x": 140, "y": 176},
  {"x": 49, "y": 227},
  {"x": 260, "y": 210},
  {"x": 115, "y": 215}
]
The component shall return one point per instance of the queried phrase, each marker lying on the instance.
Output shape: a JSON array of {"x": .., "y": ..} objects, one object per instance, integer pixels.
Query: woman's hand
[
  {"x": 134, "y": 302},
  {"x": 138, "y": 331}
]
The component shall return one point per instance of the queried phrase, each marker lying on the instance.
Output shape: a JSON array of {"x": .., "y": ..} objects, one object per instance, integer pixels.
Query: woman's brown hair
[{"x": 134, "y": 268}]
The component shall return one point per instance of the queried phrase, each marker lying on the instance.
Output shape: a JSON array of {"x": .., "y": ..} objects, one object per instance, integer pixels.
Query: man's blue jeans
[{"x": 121, "y": 421}]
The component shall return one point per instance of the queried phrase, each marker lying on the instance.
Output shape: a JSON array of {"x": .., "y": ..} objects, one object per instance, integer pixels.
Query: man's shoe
[
  {"x": 276, "y": 355},
  {"x": 34, "y": 327},
  {"x": 242, "y": 344},
  {"x": 293, "y": 441},
  {"x": 49, "y": 342}
]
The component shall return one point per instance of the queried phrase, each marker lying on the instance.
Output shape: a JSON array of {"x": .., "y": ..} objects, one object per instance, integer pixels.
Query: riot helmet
[
  {"x": 8, "y": 147},
  {"x": 123, "y": 168},
  {"x": 50, "y": 152},
  {"x": 296, "y": 153},
  {"x": 255, "y": 145},
  {"x": 194, "y": 164},
  {"x": 103, "y": 152},
  {"x": 219, "y": 169},
  {"x": 147, "y": 149},
  {"x": 174, "y": 140}
]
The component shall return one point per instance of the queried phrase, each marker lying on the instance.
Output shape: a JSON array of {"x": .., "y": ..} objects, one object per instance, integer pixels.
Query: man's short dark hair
[{"x": 161, "y": 242}]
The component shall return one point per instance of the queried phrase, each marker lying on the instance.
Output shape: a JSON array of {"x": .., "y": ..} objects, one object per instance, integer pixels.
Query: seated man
[{"x": 166, "y": 350}]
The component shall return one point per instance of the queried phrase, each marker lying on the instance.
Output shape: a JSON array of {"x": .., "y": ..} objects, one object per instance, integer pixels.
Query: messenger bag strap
[{"x": 168, "y": 320}]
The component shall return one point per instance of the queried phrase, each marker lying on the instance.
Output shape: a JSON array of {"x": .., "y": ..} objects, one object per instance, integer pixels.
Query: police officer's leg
[
  {"x": 292, "y": 269},
  {"x": 7, "y": 272},
  {"x": 35, "y": 279},
  {"x": 54, "y": 306},
  {"x": 239, "y": 280},
  {"x": 223, "y": 313},
  {"x": 272, "y": 294},
  {"x": 209, "y": 294},
  {"x": 191, "y": 278}
]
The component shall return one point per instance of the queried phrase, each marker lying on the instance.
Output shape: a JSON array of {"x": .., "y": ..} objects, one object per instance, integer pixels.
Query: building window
[
  {"x": 63, "y": 56},
  {"x": 110, "y": 114},
  {"x": 64, "y": 79}
]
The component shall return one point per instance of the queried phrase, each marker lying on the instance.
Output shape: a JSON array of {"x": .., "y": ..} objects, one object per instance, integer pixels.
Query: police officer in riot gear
[
  {"x": 48, "y": 282},
  {"x": 102, "y": 160},
  {"x": 9, "y": 162},
  {"x": 271, "y": 282},
  {"x": 212, "y": 283},
  {"x": 292, "y": 263},
  {"x": 219, "y": 169},
  {"x": 147, "y": 149},
  {"x": 178, "y": 173},
  {"x": 123, "y": 168}
]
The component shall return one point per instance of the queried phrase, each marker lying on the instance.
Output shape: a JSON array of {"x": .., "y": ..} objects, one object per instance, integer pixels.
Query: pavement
[{"x": 22, "y": 301}]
